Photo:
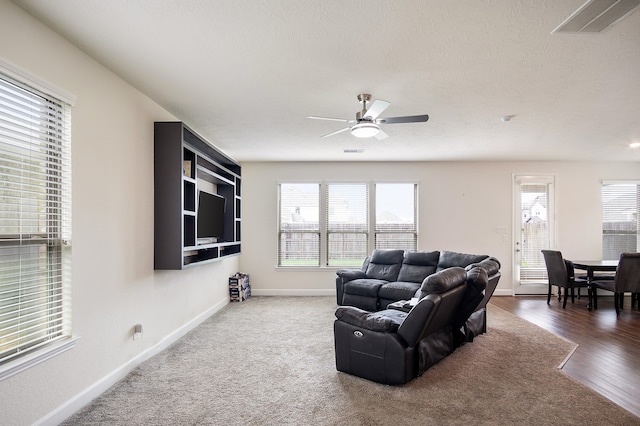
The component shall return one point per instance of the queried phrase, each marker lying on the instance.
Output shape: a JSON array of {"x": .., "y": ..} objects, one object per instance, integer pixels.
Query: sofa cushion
[
  {"x": 367, "y": 303},
  {"x": 398, "y": 290},
  {"x": 443, "y": 281},
  {"x": 449, "y": 259},
  {"x": 386, "y": 321},
  {"x": 417, "y": 265},
  {"x": 364, "y": 287},
  {"x": 387, "y": 257},
  {"x": 385, "y": 264}
]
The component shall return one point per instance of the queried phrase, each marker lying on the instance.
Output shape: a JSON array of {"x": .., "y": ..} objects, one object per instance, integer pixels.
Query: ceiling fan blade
[
  {"x": 344, "y": 120},
  {"x": 376, "y": 108},
  {"x": 336, "y": 132},
  {"x": 407, "y": 119},
  {"x": 381, "y": 135}
]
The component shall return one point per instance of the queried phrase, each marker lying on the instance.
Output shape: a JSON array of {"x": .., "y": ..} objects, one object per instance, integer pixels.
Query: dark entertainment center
[{"x": 197, "y": 199}]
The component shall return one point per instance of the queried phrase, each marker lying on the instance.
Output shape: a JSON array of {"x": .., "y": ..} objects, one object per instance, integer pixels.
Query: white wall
[
  {"x": 114, "y": 284},
  {"x": 460, "y": 204}
]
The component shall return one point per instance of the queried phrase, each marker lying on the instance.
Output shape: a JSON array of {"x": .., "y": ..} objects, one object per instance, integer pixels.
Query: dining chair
[
  {"x": 561, "y": 274},
  {"x": 627, "y": 279}
]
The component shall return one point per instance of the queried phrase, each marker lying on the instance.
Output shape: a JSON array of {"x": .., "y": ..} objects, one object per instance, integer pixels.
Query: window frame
[
  {"x": 313, "y": 233},
  {"x": 55, "y": 238}
]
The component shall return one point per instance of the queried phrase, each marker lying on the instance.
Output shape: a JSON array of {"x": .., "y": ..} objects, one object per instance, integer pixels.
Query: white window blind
[
  {"x": 620, "y": 229},
  {"x": 396, "y": 216},
  {"x": 535, "y": 231},
  {"x": 35, "y": 218},
  {"x": 299, "y": 225},
  {"x": 347, "y": 223}
]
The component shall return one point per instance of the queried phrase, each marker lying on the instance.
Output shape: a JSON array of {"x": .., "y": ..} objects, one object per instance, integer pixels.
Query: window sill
[
  {"x": 19, "y": 365},
  {"x": 314, "y": 268}
]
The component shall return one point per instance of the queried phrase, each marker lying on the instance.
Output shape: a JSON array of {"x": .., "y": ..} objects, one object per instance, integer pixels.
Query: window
[
  {"x": 299, "y": 230},
  {"x": 35, "y": 222},
  {"x": 331, "y": 224},
  {"x": 620, "y": 206},
  {"x": 347, "y": 223},
  {"x": 396, "y": 216}
]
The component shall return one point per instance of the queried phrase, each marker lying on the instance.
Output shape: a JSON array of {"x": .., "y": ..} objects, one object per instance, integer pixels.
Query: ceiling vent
[{"x": 596, "y": 16}]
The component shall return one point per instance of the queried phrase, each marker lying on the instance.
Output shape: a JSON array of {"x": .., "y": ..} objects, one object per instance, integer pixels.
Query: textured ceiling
[{"x": 245, "y": 74}]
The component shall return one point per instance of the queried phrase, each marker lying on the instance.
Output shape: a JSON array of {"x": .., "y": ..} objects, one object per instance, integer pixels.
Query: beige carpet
[{"x": 270, "y": 361}]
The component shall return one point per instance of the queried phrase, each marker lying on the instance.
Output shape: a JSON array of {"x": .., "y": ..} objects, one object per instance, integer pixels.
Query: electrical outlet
[{"x": 137, "y": 331}]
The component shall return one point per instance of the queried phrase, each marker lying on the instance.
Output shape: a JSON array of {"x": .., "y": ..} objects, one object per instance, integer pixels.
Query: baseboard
[
  {"x": 503, "y": 292},
  {"x": 66, "y": 410},
  {"x": 293, "y": 292}
]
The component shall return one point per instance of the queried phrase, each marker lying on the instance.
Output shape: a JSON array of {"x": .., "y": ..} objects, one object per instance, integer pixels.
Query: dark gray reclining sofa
[
  {"x": 403, "y": 339},
  {"x": 388, "y": 276}
]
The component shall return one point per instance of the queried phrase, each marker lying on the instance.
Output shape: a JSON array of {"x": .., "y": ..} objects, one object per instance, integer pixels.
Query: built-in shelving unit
[{"x": 184, "y": 164}]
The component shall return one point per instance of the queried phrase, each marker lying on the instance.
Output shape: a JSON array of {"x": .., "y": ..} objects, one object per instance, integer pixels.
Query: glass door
[{"x": 534, "y": 230}]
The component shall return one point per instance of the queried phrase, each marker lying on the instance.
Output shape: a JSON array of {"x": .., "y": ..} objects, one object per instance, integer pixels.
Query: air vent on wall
[{"x": 596, "y": 16}]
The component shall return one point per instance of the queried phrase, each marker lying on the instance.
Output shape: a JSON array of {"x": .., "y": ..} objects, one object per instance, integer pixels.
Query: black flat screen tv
[{"x": 210, "y": 215}]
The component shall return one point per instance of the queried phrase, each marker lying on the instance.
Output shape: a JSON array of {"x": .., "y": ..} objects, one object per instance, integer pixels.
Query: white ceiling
[{"x": 245, "y": 74}]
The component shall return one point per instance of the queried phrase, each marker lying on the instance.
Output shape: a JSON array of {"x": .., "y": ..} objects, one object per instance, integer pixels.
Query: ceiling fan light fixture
[{"x": 365, "y": 130}]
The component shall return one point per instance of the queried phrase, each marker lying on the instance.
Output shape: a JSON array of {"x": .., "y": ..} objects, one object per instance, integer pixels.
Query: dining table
[{"x": 593, "y": 266}]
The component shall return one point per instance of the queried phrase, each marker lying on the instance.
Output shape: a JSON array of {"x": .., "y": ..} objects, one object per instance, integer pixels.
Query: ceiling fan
[{"x": 367, "y": 123}]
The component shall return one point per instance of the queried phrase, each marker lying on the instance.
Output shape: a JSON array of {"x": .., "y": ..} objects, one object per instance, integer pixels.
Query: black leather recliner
[{"x": 393, "y": 346}]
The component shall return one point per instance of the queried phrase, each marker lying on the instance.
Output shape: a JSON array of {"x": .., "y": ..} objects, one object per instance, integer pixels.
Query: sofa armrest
[
  {"x": 403, "y": 305},
  {"x": 344, "y": 276},
  {"x": 383, "y": 321},
  {"x": 350, "y": 274}
]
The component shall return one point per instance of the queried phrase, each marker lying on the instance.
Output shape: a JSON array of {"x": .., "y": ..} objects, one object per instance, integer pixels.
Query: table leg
[{"x": 590, "y": 291}]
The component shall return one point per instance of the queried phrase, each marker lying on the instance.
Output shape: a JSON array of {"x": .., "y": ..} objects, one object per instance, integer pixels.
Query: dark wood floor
[{"x": 608, "y": 356}]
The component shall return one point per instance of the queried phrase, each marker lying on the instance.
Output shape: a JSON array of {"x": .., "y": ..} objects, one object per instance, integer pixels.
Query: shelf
[
  {"x": 184, "y": 164},
  {"x": 200, "y": 254},
  {"x": 213, "y": 177},
  {"x": 189, "y": 196}
]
